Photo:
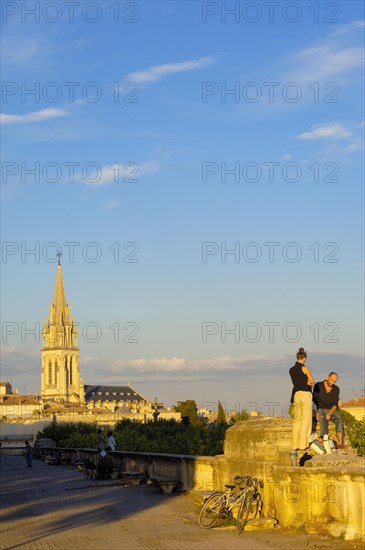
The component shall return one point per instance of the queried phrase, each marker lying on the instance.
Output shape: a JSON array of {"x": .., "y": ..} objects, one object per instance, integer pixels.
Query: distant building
[
  {"x": 355, "y": 406},
  {"x": 16, "y": 406},
  {"x": 60, "y": 378},
  {"x": 5, "y": 389},
  {"x": 113, "y": 398},
  {"x": 62, "y": 389}
]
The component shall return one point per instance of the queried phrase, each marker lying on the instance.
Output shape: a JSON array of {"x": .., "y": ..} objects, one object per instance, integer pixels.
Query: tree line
[{"x": 191, "y": 436}]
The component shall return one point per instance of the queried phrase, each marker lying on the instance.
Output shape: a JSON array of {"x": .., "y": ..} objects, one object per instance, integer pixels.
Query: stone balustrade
[{"x": 326, "y": 495}]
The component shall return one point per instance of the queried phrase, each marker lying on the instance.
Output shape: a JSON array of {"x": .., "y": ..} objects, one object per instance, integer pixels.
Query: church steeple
[
  {"x": 59, "y": 299},
  {"x": 60, "y": 371}
]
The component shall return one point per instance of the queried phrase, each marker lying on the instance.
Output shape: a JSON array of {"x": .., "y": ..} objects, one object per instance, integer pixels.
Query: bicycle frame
[{"x": 219, "y": 505}]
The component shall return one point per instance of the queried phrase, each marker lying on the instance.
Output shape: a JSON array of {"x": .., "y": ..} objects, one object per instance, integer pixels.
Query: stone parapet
[{"x": 326, "y": 495}]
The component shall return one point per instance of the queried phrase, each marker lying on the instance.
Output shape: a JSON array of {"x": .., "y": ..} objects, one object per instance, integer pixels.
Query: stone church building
[
  {"x": 60, "y": 378},
  {"x": 61, "y": 383}
]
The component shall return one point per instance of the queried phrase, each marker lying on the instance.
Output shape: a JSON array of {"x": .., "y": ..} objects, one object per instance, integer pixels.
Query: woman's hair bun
[{"x": 301, "y": 350}]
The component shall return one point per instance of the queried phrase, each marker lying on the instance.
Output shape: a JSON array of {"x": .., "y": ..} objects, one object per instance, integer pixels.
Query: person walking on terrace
[
  {"x": 28, "y": 454},
  {"x": 111, "y": 444},
  {"x": 301, "y": 397},
  {"x": 325, "y": 396},
  {"x": 101, "y": 442}
]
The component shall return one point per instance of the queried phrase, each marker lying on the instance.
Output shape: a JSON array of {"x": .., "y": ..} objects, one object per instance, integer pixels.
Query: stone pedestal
[{"x": 326, "y": 495}]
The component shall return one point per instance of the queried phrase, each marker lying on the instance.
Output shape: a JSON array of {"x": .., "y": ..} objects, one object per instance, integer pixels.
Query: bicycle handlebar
[{"x": 248, "y": 481}]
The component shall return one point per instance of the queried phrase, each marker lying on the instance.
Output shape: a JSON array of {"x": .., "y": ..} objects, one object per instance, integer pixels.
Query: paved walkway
[{"x": 54, "y": 507}]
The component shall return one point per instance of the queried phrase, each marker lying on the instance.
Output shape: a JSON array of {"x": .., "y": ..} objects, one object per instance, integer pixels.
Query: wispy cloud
[
  {"x": 349, "y": 28},
  {"x": 89, "y": 360},
  {"x": 327, "y": 61},
  {"x": 180, "y": 368},
  {"x": 35, "y": 50},
  {"x": 334, "y": 56},
  {"x": 110, "y": 205},
  {"x": 249, "y": 377},
  {"x": 325, "y": 132},
  {"x": 8, "y": 350},
  {"x": 156, "y": 72},
  {"x": 129, "y": 172},
  {"x": 19, "y": 359},
  {"x": 226, "y": 369},
  {"x": 36, "y": 116},
  {"x": 21, "y": 49}
]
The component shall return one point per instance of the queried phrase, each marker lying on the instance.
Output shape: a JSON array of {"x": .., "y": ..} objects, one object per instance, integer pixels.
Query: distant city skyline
[{"x": 201, "y": 173}]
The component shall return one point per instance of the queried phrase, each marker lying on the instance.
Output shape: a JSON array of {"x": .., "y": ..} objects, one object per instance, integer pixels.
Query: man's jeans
[{"x": 323, "y": 422}]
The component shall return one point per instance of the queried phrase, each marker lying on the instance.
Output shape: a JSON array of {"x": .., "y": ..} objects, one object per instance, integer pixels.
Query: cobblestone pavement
[{"x": 54, "y": 507}]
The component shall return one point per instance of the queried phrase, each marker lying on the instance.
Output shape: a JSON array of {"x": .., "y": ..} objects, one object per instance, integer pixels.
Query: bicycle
[
  {"x": 252, "y": 504},
  {"x": 218, "y": 508}
]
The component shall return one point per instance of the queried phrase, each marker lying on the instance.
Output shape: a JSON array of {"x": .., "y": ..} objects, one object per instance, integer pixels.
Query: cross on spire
[{"x": 59, "y": 254}]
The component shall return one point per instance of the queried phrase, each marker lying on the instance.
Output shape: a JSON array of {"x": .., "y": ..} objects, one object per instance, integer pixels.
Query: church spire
[
  {"x": 60, "y": 354},
  {"x": 59, "y": 299}
]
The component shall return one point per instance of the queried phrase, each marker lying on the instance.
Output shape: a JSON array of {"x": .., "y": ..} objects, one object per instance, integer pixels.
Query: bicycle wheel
[
  {"x": 251, "y": 508},
  {"x": 212, "y": 513}
]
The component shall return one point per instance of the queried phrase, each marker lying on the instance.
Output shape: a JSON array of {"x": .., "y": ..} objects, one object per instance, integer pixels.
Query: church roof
[{"x": 111, "y": 393}]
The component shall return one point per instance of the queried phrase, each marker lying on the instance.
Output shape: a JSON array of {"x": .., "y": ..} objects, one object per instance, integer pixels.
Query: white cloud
[
  {"x": 110, "y": 205},
  {"x": 325, "y": 132},
  {"x": 332, "y": 57},
  {"x": 36, "y": 116},
  {"x": 7, "y": 350},
  {"x": 152, "y": 74},
  {"x": 180, "y": 368},
  {"x": 327, "y": 61},
  {"x": 21, "y": 49},
  {"x": 349, "y": 28},
  {"x": 89, "y": 360},
  {"x": 220, "y": 369},
  {"x": 128, "y": 172}
]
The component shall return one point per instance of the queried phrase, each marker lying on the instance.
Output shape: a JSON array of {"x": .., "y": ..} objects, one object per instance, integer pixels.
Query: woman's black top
[{"x": 299, "y": 379}]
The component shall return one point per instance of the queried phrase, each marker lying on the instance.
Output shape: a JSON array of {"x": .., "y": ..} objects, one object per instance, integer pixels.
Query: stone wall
[{"x": 326, "y": 495}]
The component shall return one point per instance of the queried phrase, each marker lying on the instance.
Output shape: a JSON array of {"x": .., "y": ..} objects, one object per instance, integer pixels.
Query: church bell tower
[{"x": 60, "y": 379}]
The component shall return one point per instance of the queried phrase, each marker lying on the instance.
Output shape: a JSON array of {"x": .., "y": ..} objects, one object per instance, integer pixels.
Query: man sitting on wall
[
  {"x": 105, "y": 466},
  {"x": 325, "y": 396}
]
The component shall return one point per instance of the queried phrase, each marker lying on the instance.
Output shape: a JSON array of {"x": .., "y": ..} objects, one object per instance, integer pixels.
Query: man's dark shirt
[{"x": 324, "y": 400}]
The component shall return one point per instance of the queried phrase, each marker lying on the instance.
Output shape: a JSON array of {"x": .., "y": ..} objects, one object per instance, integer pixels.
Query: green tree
[
  {"x": 169, "y": 436},
  {"x": 243, "y": 415},
  {"x": 69, "y": 434},
  {"x": 221, "y": 416},
  {"x": 355, "y": 429},
  {"x": 161, "y": 436},
  {"x": 188, "y": 411}
]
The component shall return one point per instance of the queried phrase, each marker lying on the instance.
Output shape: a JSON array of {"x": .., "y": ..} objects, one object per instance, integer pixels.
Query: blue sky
[{"x": 242, "y": 136}]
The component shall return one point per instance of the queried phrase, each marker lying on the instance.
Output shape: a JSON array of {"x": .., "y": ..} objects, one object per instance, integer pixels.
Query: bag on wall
[
  {"x": 318, "y": 447},
  {"x": 322, "y": 445},
  {"x": 316, "y": 444},
  {"x": 329, "y": 444}
]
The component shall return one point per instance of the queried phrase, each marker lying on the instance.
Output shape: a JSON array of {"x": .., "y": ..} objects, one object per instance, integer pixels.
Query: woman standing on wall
[{"x": 302, "y": 398}]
